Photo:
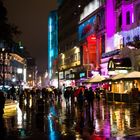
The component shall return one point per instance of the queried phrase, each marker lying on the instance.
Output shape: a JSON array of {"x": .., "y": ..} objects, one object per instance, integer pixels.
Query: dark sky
[{"x": 31, "y": 16}]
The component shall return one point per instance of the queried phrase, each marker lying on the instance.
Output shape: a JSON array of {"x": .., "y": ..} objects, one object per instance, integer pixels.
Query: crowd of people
[
  {"x": 81, "y": 96},
  {"x": 77, "y": 95}
]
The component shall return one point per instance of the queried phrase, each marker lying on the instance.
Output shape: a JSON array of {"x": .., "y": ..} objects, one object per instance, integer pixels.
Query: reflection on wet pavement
[{"x": 66, "y": 122}]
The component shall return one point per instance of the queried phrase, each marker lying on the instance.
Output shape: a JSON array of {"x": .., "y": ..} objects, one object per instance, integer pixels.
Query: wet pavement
[{"x": 105, "y": 121}]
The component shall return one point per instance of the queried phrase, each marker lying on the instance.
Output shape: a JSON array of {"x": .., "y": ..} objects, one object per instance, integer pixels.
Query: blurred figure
[
  {"x": 2, "y": 103},
  {"x": 2, "y": 129},
  {"x": 67, "y": 96},
  {"x": 80, "y": 99},
  {"x": 97, "y": 90},
  {"x": 90, "y": 97},
  {"x": 13, "y": 92}
]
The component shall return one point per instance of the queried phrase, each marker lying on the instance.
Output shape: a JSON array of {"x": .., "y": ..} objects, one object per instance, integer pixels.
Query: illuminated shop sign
[
  {"x": 87, "y": 28},
  {"x": 61, "y": 75},
  {"x": 119, "y": 64},
  {"x": 82, "y": 75},
  {"x": 70, "y": 76},
  {"x": 108, "y": 54}
]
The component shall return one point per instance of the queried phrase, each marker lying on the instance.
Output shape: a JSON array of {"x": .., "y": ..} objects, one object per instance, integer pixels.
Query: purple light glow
[
  {"x": 125, "y": 9},
  {"x": 110, "y": 25}
]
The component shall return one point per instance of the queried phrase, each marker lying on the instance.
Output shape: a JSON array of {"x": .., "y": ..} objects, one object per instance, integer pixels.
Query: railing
[{"x": 123, "y": 97}]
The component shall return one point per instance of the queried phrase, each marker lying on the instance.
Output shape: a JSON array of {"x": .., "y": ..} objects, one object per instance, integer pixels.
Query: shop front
[{"x": 125, "y": 87}]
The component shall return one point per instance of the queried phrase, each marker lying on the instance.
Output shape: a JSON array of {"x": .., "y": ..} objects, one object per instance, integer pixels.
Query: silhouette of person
[
  {"x": 2, "y": 103},
  {"x": 13, "y": 92}
]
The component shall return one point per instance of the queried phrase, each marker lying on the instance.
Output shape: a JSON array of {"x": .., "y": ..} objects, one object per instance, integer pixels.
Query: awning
[
  {"x": 133, "y": 75},
  {"x": 96, "y": 79},
  {"x": 118, "y": 76}
]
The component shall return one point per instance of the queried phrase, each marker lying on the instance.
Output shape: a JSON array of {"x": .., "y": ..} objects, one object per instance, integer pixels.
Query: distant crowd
[{"x": 76, "y": 95}]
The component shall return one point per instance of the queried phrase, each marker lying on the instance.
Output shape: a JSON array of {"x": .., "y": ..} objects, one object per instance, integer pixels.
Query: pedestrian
[
  {"x": 97, "y": 94},
  {"x": 67, "y": 96},
  {"x": 80, "y": 100},
  {"x": 90, "y": 97},
  {"x": 13, "y": 92},
  {"x": 2, "y": 103}
]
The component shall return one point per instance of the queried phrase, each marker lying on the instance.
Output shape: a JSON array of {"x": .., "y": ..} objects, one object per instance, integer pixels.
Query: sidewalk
[{"x": 10, "y": 107}]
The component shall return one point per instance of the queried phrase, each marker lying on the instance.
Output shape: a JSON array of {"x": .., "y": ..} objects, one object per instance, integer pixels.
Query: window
[
  {"x": 128, "y": 18},
  {"x": 118, "y": 1},
  {"x": 120, "y": 20},
  {"x": 103, "y": 43}
]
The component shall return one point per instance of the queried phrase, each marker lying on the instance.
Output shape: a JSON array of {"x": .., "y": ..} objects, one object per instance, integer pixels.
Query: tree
[{"x": 7, "y": 30}]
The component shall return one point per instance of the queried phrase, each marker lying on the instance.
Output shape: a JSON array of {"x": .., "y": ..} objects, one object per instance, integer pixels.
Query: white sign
[{"x": 91, "y": 7}]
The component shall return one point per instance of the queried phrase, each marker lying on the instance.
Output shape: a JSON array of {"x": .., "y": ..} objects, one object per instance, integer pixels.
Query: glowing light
[
  {"x": 51, "y": 123},
  {"x": 79, "y": 6},
  {"x": 52, "y": 41},
  {"x": 24, "y": 74},
  {"x": 90, "y": 8},
  {"x": 19, "y": 70},
  {"x": 130, "y": 34}
]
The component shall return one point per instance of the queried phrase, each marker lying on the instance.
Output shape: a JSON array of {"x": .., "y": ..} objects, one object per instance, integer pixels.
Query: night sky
[{"x": 31, "y": 16}]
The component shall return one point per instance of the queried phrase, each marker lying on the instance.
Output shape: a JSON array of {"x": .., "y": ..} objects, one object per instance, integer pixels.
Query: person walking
[
  {"x": 67, "y": 96},
  {"x": 13, "y": 92},
  {"x": 80, "y": 100},
  {"x": 2, "y": 103},
  {"x": 90, "y": 97}
]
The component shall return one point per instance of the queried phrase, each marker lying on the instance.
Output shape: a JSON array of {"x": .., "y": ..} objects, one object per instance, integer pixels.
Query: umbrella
[{"x": 77, "y": 91}]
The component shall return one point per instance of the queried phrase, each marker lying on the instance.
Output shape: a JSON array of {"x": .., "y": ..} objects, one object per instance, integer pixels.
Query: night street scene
[{"x": 70, "y": 70}]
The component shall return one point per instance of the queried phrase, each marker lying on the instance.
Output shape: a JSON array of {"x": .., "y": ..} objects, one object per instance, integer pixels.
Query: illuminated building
[
  {"x": 92, "y": 34},
  {"x": 122, "y": 35},
  {"x": 12, "y": 65},
  {"x": 104, "y": 31},
  {"x": 31, "y": 72},
  {"x": 52, "y": 44},
  {"x": 70, "y": 58}
]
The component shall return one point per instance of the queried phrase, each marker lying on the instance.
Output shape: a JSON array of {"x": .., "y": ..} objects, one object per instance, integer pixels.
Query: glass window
[
  {"x": 120, "y": 20},
  {"x": 128, "y": 18}
]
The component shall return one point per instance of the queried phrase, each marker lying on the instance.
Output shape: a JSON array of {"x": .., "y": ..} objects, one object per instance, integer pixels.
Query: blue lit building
[{"x": 52, "y": 44}]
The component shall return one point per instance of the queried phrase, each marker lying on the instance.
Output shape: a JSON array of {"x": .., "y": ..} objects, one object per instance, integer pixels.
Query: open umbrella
[{"x": 77, "y": 91}]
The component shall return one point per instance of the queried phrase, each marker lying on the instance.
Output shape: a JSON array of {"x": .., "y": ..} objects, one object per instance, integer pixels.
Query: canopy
[
  {"x": 133, "y": 75},
  {"x": 118, "y": 76},
  {"x": 97, "y": 79}
]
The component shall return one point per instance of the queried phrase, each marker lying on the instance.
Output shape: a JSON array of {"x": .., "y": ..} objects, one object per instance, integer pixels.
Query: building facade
[
  {"x": 70, "y": 60},
  {"x": 12, "y": 65},
  {"x": 97, "y": 36},
  {"x": 52, "y": 46}
]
